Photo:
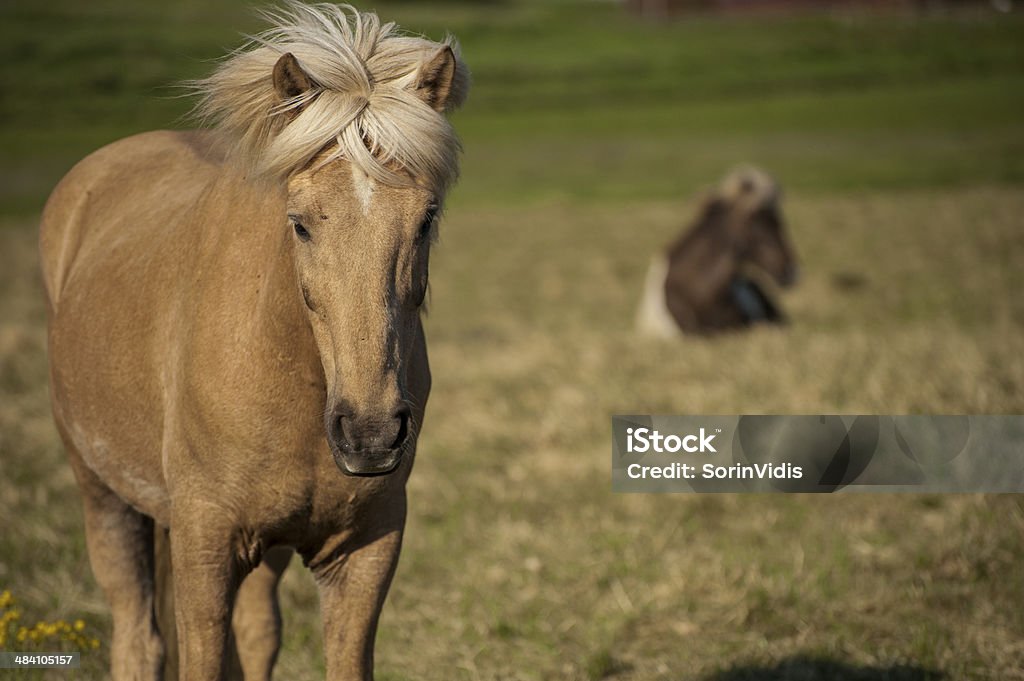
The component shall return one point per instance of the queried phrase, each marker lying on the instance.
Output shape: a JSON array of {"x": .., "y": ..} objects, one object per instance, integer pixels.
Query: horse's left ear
[
  {"x": 290, "y": 80},
  {"x": 437, "y": 83}
]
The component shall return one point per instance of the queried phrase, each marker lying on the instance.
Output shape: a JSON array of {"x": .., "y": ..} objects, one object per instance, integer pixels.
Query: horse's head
[
  {"x": 357, "y": 133},
  {"x": 361, "y": 250},
  {"x": 750, "y": 199}
]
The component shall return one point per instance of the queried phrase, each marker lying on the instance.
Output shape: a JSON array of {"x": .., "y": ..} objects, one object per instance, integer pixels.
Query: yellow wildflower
[{"x": 79, "y": 625}]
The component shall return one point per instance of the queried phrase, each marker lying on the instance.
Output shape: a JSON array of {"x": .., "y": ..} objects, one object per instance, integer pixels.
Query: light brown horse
[{"x": 234, "y": 317}]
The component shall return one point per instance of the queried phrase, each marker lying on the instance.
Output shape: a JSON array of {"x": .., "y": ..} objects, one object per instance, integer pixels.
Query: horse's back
[
  {"x": 114, "y": 241},
  {"x": 122, "y": 190}
]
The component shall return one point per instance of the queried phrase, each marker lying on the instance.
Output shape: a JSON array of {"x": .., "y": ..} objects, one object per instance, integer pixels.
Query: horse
[
  {"x": 237, "y": 356},
  {"x": 719, "y": 273}
]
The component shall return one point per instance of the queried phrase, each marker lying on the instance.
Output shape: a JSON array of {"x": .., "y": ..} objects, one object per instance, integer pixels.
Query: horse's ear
[
  {"x": 290, "y": 80},
  {"x": 436, "y": 79}
]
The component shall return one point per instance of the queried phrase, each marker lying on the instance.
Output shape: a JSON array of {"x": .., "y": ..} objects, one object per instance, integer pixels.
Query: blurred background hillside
[
  {"x": 578, "y": 99},
  {"x": 897, "y": 132}
]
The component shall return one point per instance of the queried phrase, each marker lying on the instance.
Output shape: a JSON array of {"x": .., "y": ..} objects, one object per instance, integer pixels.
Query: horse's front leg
[
  {"x": 206, "y": 576},
  {"x": 353, "y": 585},
  {"x": 257, "y": 618}
]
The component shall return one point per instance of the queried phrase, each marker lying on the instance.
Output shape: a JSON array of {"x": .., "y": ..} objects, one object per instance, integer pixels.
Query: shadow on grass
[{"x": 805, "y": 668}]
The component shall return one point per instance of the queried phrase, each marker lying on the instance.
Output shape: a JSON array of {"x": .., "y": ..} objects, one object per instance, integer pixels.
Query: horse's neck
[
  {"x": 707, "y": 256},
  {"x": 245, "y": 236}
]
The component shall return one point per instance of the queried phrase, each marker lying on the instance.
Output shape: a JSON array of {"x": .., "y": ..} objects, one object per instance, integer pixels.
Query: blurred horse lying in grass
[
  {"x": 236, "y": 350},
  {"x": 721, "y": 273}
]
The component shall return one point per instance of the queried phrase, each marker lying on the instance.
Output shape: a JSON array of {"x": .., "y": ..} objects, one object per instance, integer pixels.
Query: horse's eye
[
  {"x": 300, "y": 231},
  {"x": 428, "y": 223}
]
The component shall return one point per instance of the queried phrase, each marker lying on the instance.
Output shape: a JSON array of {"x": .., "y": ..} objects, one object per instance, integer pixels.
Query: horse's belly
[{"x": 106, "y": 390}]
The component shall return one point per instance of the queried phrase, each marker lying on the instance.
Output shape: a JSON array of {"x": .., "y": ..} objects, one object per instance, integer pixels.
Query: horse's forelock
[
  {"x": 364, "y": 75},
  {"x": 749, "y": 186}
]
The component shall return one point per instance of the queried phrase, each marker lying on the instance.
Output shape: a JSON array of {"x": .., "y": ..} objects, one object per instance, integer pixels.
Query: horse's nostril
[
  {"x": 402, "y": 418},
  {"x": 352, "y": 434},
  {"x": 340, "y": 431}
]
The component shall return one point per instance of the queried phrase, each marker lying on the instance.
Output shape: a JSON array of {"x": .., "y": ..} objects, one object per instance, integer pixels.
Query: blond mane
[
  {"x": 363, "y": 99},
  {"x": 749, "y": 186}
]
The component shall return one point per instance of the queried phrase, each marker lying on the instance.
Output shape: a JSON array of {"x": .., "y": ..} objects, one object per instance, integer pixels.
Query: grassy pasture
[{"x": 899, "y": 140}]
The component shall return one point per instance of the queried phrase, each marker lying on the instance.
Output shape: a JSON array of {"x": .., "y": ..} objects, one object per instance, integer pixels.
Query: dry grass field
[{"x": 519, "y": 562}]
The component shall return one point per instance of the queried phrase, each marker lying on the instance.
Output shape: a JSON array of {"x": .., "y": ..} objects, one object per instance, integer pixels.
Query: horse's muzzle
[
  {"x": 368, "y": 463},
  {"x": 368, "y": 445},
  {"x": 790, "y": 275}
]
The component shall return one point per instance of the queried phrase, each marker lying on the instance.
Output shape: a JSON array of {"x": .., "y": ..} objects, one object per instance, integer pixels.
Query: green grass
[
  {"x": 899, "y": 141},
  {"x": 574, "y": 100}
]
